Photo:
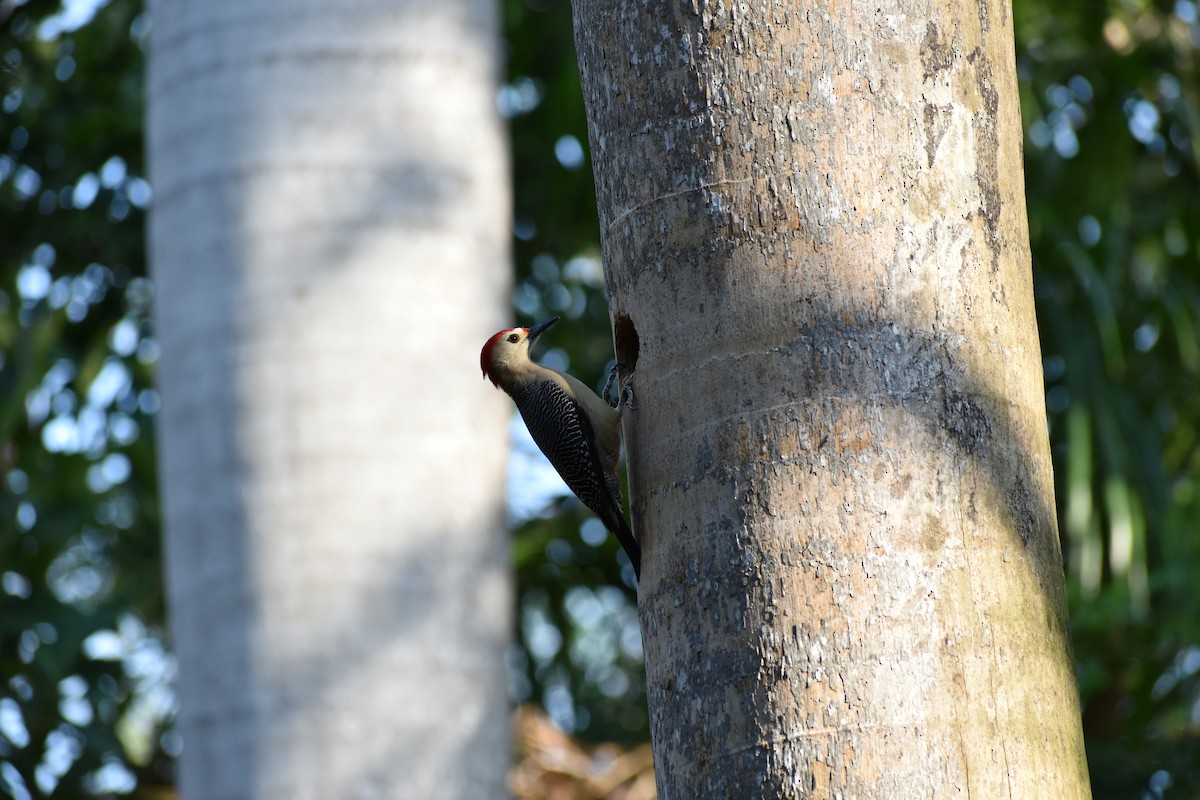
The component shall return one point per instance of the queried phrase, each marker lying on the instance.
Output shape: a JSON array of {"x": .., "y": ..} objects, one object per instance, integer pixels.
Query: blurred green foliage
[
  {"x": 85, "y": 689},
  {"x": 1112, "y": 114},
  {"x": 1111, "y": 105}
]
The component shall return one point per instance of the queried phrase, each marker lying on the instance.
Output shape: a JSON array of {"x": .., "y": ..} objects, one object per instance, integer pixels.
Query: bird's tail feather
[{"x": 615, "y": 522}]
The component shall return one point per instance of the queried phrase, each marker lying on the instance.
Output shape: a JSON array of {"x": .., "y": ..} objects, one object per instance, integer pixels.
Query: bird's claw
[
  {"x": 624, "y": 396},
  {"x": 608, "y": 384}
]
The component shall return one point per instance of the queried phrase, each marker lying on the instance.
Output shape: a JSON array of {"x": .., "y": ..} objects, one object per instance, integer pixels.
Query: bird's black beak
[{"x": 540, "y": 328}]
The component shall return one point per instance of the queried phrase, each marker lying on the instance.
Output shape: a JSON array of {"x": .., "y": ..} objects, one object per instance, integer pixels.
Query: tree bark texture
[
  {"x": 813, "y": 221},
  {"x": 331, "y": 192}
]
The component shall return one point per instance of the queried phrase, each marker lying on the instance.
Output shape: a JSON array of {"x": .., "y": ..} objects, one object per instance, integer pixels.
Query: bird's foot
[
  {"x": 625, "y": 398},
  {"x": 608, "y": 385}
]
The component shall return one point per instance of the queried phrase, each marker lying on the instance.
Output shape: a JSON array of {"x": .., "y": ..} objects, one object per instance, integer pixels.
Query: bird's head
[{"x": 507, "y": 351}]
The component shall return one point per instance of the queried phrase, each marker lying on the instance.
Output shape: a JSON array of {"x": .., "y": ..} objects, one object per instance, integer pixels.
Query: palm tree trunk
[
  {"x": 331, "y": 193},
  {"x": 814, "y": 226}
]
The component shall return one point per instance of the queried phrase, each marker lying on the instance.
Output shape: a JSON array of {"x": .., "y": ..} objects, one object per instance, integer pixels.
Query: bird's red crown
[{"x": 485, "y": 355}]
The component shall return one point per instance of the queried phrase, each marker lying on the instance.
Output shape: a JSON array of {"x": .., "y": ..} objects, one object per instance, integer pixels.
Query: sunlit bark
[{"x": 814, "y": 226}]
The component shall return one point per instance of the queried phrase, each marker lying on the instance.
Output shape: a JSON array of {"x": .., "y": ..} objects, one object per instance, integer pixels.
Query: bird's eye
[{"x": 512, "y": 337}]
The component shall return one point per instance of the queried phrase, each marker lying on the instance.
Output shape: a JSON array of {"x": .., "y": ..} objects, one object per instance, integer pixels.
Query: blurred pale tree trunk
[
  {"x": 330, "y": 247},
  {"x": 814, "y": 223}
]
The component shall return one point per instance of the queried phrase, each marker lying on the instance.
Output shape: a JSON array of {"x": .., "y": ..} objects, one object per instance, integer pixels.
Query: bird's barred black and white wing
[{"x": 564, "y": 434}]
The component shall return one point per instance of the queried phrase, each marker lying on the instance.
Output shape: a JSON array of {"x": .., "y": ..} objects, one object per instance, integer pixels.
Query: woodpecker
[{"x": 577, "y": 431}]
